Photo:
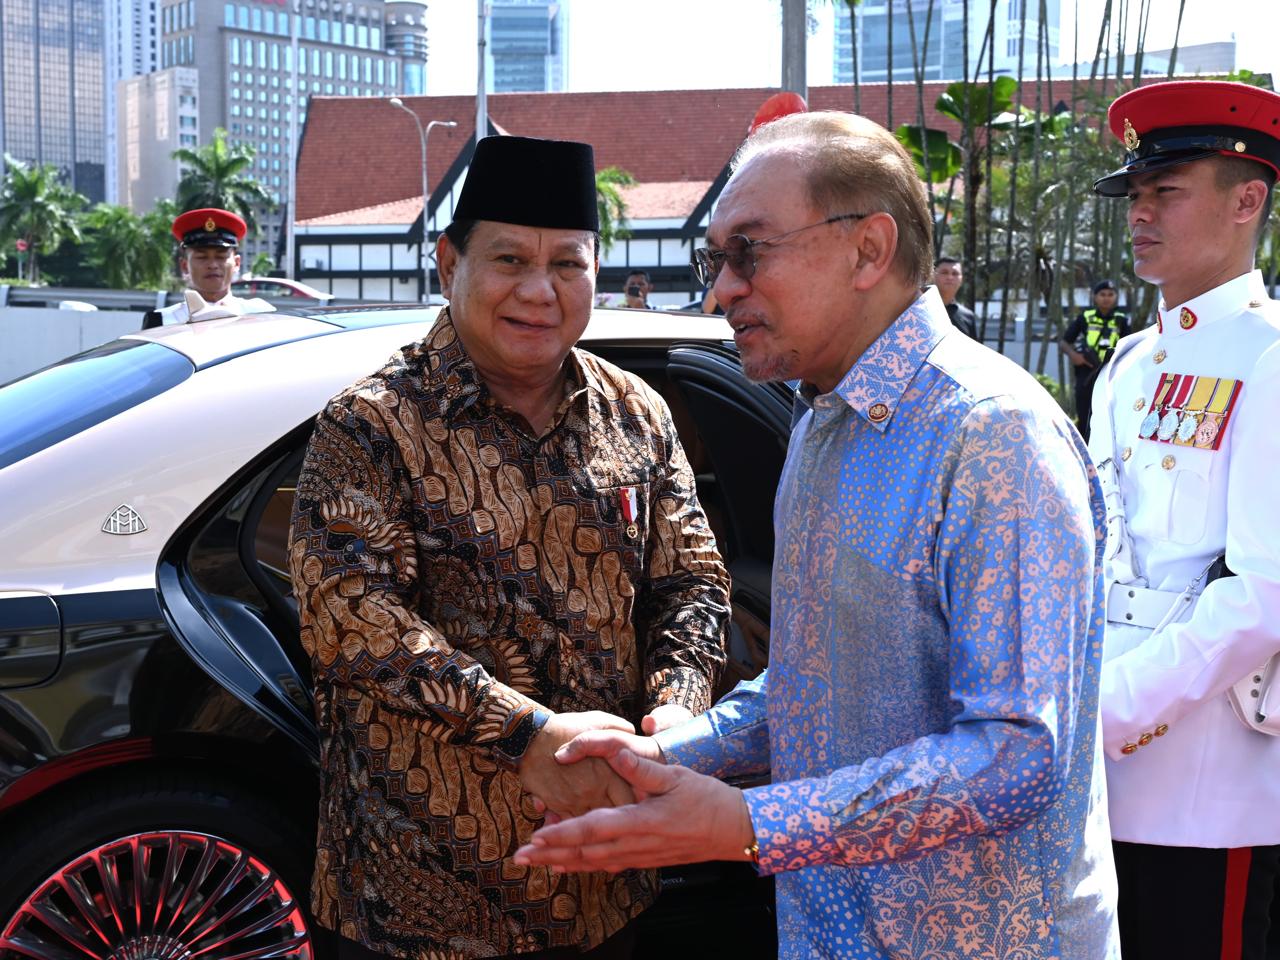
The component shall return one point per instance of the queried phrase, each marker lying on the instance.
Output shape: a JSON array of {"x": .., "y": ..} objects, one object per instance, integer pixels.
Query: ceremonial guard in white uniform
[
  {"x": 1186, "y": 434},
  {"x": 210, "y": 239}
]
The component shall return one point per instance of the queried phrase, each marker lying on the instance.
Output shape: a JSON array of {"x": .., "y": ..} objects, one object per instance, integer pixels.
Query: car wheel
[{"x": 156, "y": 871}]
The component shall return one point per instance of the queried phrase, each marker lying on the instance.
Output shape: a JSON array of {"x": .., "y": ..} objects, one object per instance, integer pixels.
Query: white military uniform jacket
[
  {"x": 1182, "y": 769},
  {"x": 180, "y": 313}
]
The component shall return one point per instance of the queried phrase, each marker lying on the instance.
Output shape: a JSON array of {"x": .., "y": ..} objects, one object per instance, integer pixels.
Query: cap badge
[
  {"x": 1240, "y": 147},
  {"x": 1186, "y": 319},
  {"x": 1131, "y": 141},
  {"x": 209, "y": 225}
]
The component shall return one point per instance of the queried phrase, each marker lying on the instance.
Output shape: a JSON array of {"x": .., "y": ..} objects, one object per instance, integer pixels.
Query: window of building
[
  {"x": 248, "y": 53},
  {"x": 376, "y": 37},
  {"x": 235, "y": 76},
  {"x": 191, "y": 48},
  {"x": 235, "y": 110},
  {"x": 262, "y": 164},
  {"x": 235, "y": 128},
  {"x": 165, "y": 22},
  {"x": 275, "y": 57},
  {"x": 368, "y": 69},
  {"x": 256, "y": 18},
  {"x": 235, "y": 50},
  {"x": 262, "y": 79},
  {"x": 275, "y": 97},
  {"x": 180, "y": 14},
  {"x": 275, "y": 115},
  {"x": 248, "y": 111},
  {"x": 309, "y": 27},
  {"x": 381, "y": 73},
  {"x": 275, "y": 163},
  {"x": 328, "y": 64},
  {"x": 191, "y": 13},
  {"x": 269, "y": 21},
  {"x": 324, "y": 31},
  {"x": 394, "y": 65},
  {"x": 288, "y": 59},
  {"x": 342, "y": 66},
  {"x": 362, "y": 35},
  {"x": 284, "y": 24},
  {"x": 275, "y": 78},
  {"x": 315, "y": 63},
  {"x": 235, "y": 93},
  {"x": 262, "y": 96},
  {"x": 328, "y": 88},
  {"x": 262, "y": 54},
  {"x": 242, "y": 16},
  {"x": 187, "y": 140},
  {"x": 342, "y": 89},
  {"x": 229, "y": 15},
  {"x": 187, "y": 123}
]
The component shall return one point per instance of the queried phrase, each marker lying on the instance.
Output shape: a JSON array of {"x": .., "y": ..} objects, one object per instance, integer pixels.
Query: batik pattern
[
  {"x": 931, "y": 700},
  {"x": 456, "y": 579}
]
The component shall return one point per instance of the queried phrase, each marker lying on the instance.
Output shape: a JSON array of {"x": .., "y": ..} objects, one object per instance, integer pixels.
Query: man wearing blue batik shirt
[{"x": 929, "y": 719}]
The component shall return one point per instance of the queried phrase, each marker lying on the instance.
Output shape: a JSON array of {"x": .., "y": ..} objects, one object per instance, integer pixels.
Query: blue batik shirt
[{"x": 929, "y": 717}]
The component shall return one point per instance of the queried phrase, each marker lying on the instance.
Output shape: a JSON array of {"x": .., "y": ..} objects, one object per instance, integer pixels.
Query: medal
[
  {"x": 1207, "y": 432},
  {"x": 1187, "y": 428},
  {"x": 1149, "y": 424},
  {"x": 1168, "y": 424},
  {"x": 629, "y": 503}
]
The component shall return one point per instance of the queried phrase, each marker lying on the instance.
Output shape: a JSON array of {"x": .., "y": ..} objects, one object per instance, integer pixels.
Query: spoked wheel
[{"x": 160, "y": 896}]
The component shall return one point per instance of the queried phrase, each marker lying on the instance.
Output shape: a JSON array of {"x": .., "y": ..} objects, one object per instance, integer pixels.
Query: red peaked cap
[
  {"x": 1164, "y": 124},
  {"x": 209, "y": 227},
  {"x": 779, "y": 105}
]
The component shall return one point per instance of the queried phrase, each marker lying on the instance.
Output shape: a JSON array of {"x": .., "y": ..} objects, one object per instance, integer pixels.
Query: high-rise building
[
  {"x": 944, "y": 52},
  {"x": 242, "y": 58},
  {"x": 52, "y": 88},
  {"x": 527, "y": 46},
  {"x": 131, "y": 52}
]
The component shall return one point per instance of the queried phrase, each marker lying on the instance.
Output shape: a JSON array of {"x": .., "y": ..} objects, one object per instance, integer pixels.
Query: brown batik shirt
[{"x": 456, "y": 578}]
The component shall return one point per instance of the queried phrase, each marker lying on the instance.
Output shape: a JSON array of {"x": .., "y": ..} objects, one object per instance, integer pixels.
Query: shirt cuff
[
  {"x": 790, "y": 834},
  {"x": 692, "y": 745},
  {"x": 510, "y": 749}
]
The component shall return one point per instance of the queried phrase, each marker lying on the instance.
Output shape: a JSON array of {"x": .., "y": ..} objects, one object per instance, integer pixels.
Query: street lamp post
[{"x": 423, "y": 134}]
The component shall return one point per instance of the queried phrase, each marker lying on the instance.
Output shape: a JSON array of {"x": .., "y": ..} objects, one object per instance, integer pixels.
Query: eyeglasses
[{"x": 738, "y": 251}]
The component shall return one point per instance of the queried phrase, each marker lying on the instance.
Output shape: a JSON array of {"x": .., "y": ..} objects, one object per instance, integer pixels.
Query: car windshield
[{"x": 46, "y": 407}]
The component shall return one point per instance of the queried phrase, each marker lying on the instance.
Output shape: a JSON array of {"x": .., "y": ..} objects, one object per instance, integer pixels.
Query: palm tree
[
  {"x": 216, "y": 177},
  {"x": 612, "y": 208},
  {"x": 38, "y": 208},
  {"x": 129, "y": 251}
]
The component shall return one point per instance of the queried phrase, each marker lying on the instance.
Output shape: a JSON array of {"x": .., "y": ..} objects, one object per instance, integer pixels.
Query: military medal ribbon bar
[{"x": 629, "y": 502}]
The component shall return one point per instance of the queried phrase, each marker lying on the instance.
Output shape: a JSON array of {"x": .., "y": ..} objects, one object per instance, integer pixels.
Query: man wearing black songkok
[{"x": 496, "y": 545}]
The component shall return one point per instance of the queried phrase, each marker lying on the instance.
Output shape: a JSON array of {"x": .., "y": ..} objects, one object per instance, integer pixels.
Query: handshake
[
  {"x": 611, "y": 802},
  {"x": 565, "y": 769}
]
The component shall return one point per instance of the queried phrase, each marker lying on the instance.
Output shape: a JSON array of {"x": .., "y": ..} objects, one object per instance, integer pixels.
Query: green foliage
[
  {"x": 129, "y": 252},
  {"x": 986, "y": 103},
  {"x": 945, "y": 158},
  {"x": 262, "y": 264},
  {"x": 1248, "y": 76},
  {"x": 38, "y": 208},
  {"x": 611, "y": 207},
  {"x": 218, "y": 175}
]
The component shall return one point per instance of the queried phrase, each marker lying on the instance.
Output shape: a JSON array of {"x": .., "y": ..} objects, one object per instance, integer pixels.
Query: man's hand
[
  {"x": 568, "y": 790},
  {"x": 664, "y": 718},
  {"x": 685, "y": 818}
]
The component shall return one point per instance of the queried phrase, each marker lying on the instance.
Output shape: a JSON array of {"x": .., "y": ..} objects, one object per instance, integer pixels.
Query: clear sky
[{"x": 684, "y": 44}]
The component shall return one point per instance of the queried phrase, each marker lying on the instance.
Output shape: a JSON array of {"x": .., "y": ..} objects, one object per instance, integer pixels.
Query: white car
[{"x": 157, "y": 746}]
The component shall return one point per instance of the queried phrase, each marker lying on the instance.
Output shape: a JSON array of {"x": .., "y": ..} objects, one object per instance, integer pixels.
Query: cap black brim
[{"x": 1116, "y": 183}]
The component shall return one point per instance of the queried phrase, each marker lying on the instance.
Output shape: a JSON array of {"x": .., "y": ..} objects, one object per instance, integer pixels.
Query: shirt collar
[
  {"x": 875, "y": 383},
  {"x": 458, "y": 387},
  {"x": 1224, "y": 300}
]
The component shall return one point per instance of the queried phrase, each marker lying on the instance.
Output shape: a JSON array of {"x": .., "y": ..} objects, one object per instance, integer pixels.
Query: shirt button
[
  {"x": 1128, "y": 452},
  {"x": 1129, "y": 748},
  {"x": 1159, "y": 357},
  {"x": 1168, "y": 462},
  {"x": 1139, "y": 403},
  {"x": 1161, "y": 730},
  {"x": 1144, "y": 739}
]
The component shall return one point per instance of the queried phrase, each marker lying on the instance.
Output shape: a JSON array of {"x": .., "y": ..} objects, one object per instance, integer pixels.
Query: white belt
[{"x": 1137, "y": 606}]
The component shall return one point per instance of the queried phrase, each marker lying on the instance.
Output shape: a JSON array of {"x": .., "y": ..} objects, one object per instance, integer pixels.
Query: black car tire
[{"x": 250, "y": 851}]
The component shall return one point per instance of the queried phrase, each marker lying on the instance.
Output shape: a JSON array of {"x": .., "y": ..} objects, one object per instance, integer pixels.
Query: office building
[
  {"x": 131, "y": 52},
  {"x": 241, "y": 56},
  {"x": 526, "y": 46},
  {"x": 944, "y": 54},
  {"x": 52, "y": 88}
]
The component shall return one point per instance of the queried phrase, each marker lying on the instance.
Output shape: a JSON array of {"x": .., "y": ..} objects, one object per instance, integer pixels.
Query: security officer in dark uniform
[
  {"x": 210, "y": 239},
  {"x": 1089, "y": 341}
]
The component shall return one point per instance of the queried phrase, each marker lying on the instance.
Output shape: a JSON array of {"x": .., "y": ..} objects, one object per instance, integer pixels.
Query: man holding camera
[{"x": 637, "y": 289}]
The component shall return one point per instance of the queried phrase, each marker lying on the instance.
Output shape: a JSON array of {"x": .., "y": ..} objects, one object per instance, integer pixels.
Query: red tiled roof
[
  {"x": 361, "y": 151},
  {"x": 393, "y": 212},
  {"x": 655, "y": 201}
]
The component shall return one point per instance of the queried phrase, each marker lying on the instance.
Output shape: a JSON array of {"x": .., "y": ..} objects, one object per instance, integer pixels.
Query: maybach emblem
[{"x": 123, "y": 521}]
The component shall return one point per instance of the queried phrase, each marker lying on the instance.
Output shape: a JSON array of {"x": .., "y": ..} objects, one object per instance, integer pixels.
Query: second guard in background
[
  {"x": 1186, "y": 440},
  {"x": 210, "y": 241},
  {"x": 1089, "y": 341}
]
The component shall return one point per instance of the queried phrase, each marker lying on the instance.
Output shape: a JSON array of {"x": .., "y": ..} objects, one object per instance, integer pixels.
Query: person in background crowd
[
  {"x": 637, "y": 290},
  {"x": 1089, "y": 341},
  {"x": 496, "y": 545},
  {"x": 929, "y": 716},
  {"x": 948, "y": 276},
  {"x": 1184, "y": 432}
]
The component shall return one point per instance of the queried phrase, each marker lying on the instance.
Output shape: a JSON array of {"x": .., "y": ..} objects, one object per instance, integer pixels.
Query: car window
[{"x": 50, "y": 405}]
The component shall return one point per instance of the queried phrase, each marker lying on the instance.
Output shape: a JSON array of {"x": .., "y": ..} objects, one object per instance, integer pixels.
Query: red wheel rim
[{"x": 171, "y": 895}]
